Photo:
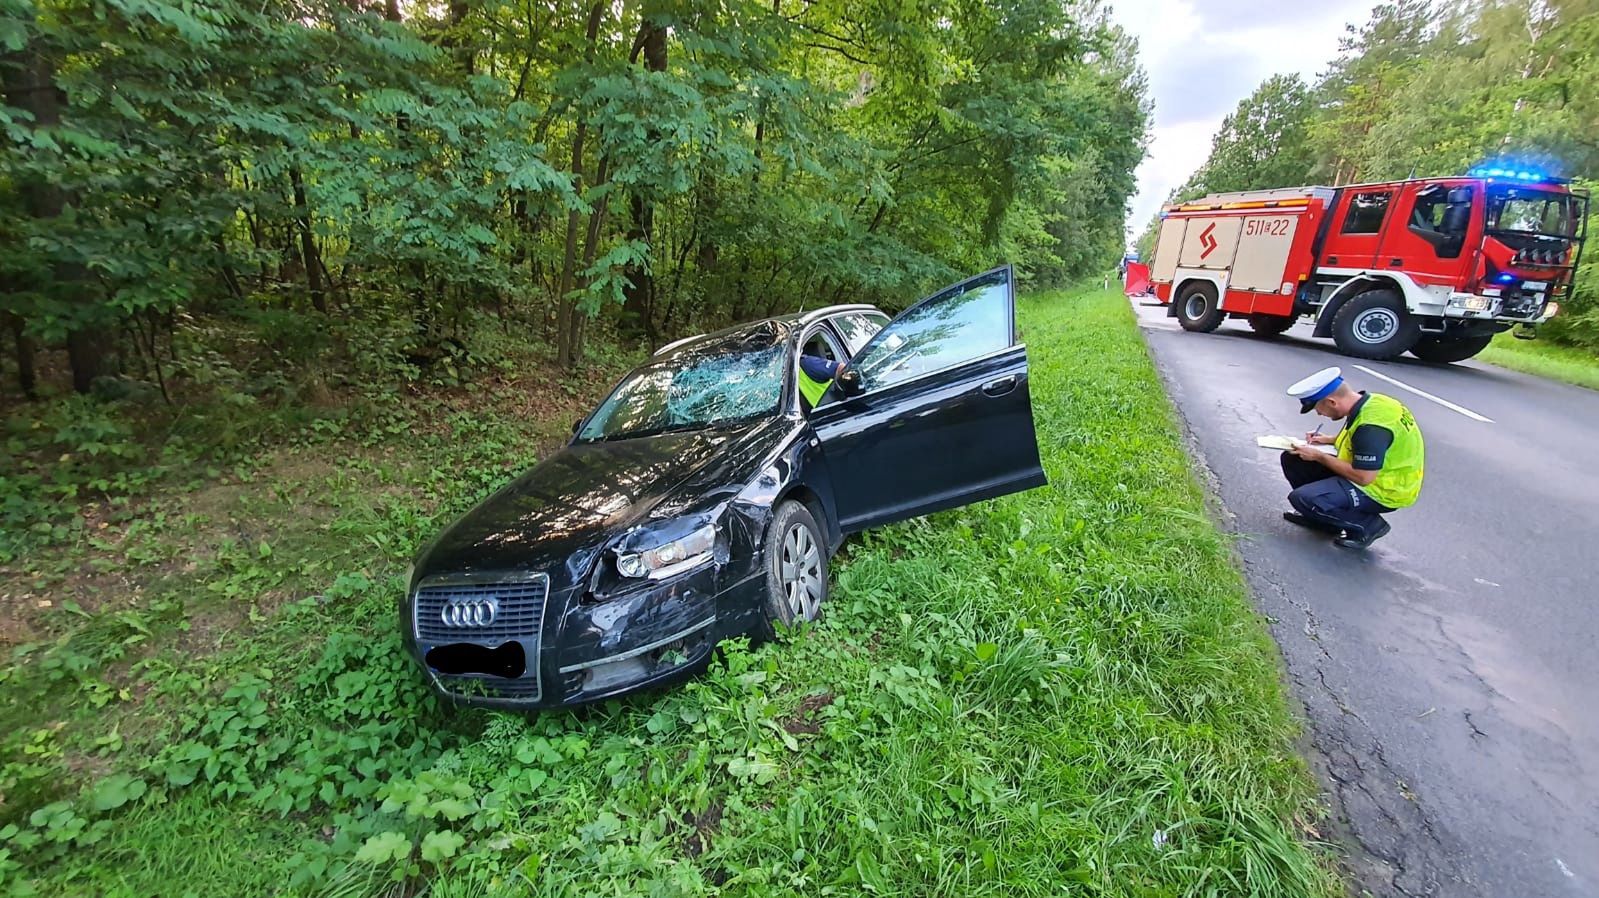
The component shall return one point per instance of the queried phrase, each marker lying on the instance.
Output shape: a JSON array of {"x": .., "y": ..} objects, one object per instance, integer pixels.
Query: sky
[{"x": 1203, "y": 56}]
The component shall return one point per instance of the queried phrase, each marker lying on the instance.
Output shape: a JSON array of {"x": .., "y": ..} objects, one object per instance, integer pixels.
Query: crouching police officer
[{"x": 1377, "y": 468}]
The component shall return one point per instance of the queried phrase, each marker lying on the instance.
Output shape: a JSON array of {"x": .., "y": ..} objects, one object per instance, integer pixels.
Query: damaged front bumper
[{"x": 571, "y": 649}]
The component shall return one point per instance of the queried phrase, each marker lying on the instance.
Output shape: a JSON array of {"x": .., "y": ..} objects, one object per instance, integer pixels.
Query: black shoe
[
  {"x": 1294, "y": 517},
  {"x": 1350, "y": 541}
]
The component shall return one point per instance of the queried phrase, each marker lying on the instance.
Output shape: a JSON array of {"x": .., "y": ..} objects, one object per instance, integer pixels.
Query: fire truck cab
[{"x": 1431, "y": 266}]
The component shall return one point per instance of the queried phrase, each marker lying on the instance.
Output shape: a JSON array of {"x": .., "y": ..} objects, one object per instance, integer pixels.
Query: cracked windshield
[{"x": 706, "y": 391}]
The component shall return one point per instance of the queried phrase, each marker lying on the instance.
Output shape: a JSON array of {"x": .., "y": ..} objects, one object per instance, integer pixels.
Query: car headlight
[{"x": 671, "y": 558}]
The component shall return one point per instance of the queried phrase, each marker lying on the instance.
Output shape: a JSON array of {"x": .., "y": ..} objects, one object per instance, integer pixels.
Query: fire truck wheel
[
  {"x": 1374, "y": 325},
  {"x": 1198, "y": 308},
  {"x": 1433, "y": 349},
  {"x": 1270, "y": 325}
]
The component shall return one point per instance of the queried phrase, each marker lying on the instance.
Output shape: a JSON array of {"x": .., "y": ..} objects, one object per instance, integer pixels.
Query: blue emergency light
[{"x": 1513, "y": 174}]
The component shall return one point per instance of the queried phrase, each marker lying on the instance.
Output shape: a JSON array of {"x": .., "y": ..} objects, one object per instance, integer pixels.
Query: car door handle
[{"x": 1001, "y": 386}]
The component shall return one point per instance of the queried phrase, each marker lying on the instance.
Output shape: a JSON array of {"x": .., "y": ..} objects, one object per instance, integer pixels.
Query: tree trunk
[
  {"x": 590, "y": 250},
  {"x": 391, "y": 13},
  {"x": 636, "y": 318},
  {"x": 26, "y": 378},
  {"x": 308, "y": 251},
  {"x": 566, "y": 310},
  {"x": 32, "y": 87},
  {"x": 455, "y": 41},
  {"x": 636, "y": 313}
]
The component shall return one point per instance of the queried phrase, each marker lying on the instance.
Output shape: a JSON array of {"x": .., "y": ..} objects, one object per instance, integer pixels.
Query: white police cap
[{"x": 1316, "y": 387}]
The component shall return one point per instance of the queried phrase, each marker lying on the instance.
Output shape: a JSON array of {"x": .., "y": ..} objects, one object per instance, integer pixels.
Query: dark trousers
[{"x": 1328, "y": 499}]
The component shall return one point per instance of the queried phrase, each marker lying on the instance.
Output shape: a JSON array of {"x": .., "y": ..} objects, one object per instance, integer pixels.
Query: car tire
[
  {"x": 1270, "y": 325},
  {"x": 1198, "y": 309},
  {"x": 1375, "y": 325},
  {"x": 796, "y": 568},
  {"x": 1442, "y": 352}
]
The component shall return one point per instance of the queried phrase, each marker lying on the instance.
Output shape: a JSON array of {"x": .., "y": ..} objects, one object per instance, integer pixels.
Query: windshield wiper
[
  {"x": 648, "y": 432},
  {"x": 679, "y": 428}
]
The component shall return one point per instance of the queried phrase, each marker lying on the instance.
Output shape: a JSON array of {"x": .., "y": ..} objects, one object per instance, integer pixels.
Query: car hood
[{"x": 563, "y": 510}]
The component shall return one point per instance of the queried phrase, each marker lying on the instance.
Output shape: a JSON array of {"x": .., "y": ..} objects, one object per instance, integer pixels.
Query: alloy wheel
[{"x": 800, "y": 572}]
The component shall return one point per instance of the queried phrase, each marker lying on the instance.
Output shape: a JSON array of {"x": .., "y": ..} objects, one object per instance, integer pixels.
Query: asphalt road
[{"x": 1450, "y": 674}]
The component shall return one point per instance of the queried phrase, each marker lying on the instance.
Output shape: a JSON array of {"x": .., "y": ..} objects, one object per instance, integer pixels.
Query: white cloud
[{"x": 1203, "y": 56}]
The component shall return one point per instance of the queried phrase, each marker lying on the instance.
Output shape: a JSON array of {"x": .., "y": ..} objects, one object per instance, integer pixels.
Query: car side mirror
[
  {"x": 849, "y": 382},
  {"x": 575, "y": 425}
]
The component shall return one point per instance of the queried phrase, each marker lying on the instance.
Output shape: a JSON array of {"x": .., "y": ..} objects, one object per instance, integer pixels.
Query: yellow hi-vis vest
[
  {"x": 1399, "y": 481},
  {"x": 812, "y": 389}
]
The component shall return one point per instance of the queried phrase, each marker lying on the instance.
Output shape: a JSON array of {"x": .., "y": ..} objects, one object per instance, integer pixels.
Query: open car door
[{"x": 940, "y": 413}]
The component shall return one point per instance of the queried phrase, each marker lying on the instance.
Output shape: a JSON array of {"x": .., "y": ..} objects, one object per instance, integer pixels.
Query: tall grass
[{"x": 1545, "y": 359}]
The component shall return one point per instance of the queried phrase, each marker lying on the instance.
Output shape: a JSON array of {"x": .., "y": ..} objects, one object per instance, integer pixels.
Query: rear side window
[
  {"x": 1366, "y": 212},
  {"x": 857, "y": 328},
  {"x": 822, "y": 346}
]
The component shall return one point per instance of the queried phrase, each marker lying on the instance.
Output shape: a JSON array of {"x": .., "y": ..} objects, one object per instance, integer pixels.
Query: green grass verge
[
  {"x": 1064, "y": 692},
  {"x": 1545, "y": 359}
]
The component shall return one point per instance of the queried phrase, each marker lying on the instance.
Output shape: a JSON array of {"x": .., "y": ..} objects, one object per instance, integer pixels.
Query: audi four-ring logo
[{"x": 469, "y": 612}]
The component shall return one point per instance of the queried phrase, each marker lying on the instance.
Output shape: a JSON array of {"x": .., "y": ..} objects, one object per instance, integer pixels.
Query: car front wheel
[{"x": 796, "y": 568}]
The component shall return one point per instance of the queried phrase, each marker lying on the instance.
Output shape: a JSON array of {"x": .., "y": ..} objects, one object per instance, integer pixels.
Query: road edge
[{"x": 1360, "y": 861}]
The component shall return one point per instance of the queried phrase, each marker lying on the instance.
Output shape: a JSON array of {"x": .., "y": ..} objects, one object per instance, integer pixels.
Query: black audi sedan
[{"x": 703, "y": 499}]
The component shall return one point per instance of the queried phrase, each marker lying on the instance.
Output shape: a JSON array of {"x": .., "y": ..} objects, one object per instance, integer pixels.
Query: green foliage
[{"x": 363, "y": 186}]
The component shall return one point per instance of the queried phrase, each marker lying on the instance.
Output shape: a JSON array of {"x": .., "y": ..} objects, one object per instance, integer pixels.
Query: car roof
[{"x": 755, "y": 334}]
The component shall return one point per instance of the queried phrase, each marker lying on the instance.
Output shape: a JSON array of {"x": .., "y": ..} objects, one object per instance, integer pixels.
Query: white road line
[{"x": 1426, "y": 395}]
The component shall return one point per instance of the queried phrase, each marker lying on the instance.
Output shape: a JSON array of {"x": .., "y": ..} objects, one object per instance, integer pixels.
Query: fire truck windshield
[{"x": 1526, "y": 210}]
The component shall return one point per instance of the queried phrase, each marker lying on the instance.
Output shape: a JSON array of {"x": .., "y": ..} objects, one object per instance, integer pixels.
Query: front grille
[
  {"x": 491, "y": 687},
  {"x": 520, "y": 611},
  {"x": 1521, "y": 305}
]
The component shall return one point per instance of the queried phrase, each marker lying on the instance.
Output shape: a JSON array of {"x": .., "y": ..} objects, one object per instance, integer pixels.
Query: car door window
[
  {"x": 967, "y": 321},
  {"x": 858, "y": 328},
  {"x": 820, "y": 344}
]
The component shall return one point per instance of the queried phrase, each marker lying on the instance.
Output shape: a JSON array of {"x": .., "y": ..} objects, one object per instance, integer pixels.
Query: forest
[
  {"x": 307, "y": 195},
  {"x": 1426, "y": 89}
]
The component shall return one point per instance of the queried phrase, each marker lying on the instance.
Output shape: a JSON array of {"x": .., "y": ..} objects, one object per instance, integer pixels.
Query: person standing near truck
[{"x": 1377, "y": 468}]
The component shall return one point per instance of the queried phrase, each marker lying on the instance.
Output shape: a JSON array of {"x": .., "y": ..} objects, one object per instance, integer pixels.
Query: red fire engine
[{"x": 1432, "y": 266}]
